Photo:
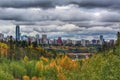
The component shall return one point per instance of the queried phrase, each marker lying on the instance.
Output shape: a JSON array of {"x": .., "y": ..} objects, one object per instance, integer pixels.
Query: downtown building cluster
[{"x": 59, "y": 41}]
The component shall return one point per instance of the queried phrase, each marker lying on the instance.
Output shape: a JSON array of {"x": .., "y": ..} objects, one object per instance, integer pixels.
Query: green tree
[
  {"x": 11, "y": 50},
  {"x": 118, "y": 39}
]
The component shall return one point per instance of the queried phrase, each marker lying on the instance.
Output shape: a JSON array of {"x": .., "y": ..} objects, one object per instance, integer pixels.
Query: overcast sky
[{"x": 73, "y": 19}]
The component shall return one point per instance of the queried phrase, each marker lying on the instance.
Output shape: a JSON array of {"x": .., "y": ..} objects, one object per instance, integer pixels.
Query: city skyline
[
  {"x": 18, "y": 34},
  {"x": 43, "y": 39},
  {"x": 72, "y": 19}
]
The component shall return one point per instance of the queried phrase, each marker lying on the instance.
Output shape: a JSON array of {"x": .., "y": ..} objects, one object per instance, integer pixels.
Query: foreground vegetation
[
  {"x": 43, "y": 69},
  {"x": 31, "y": 65},
  {"x": 98, "y": 67}
]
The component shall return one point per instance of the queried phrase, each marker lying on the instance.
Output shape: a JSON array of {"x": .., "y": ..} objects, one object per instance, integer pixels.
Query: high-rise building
[
  {"x": 24, "y": 37},
  {"x": 94, "y": 41},
  {"x": 17, "y": 33},
  {"x": 69, "y": 41},
  {"x": 101, "y": 40},
  {"x": 59, "y": 41},
  {"x": 111, "y": 42},
  {"x": 1, "y": 36},
  {"x": 44, "y": 36},
  {"x": 37, "y": 36},
  {"x": 83, "y": 42}
]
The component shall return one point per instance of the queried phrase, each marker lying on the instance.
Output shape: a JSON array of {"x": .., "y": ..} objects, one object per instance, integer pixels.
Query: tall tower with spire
[{"x": 17, "y": 32}]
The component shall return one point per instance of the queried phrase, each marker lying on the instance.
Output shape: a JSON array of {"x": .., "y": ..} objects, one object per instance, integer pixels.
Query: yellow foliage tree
[{"x": 3, "y": 49}]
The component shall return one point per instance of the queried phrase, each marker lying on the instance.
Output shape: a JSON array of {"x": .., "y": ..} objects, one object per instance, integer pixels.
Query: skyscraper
[
  {"x": 17, "y": 33},
  {"x": 101, "y": 40},
  {"x": 37, "y": 36},
  {"x": 59, "y": 41},
  {"x": 44, "y": 36},
  {"x": 1, "y": 36}
]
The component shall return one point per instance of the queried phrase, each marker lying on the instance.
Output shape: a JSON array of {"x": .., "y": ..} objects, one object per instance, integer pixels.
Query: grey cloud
[
  {"x": 24, "y": 23},
  {"x": 43, "y": 15},
  {"x": 111, "y": 17},
  {"x": 27, "y": 29},
  {"x": 58, "y": 17},
  {"x": 88, "y": 24},
  {"x": 35, "y": 14},
  {"x": 110, "y": 4},
  {"x": 6, "y": 31},
  {"x": 26, "y": 3},
  {"x": 52, "y": 28},
  {"x": 52, "y": 3}
]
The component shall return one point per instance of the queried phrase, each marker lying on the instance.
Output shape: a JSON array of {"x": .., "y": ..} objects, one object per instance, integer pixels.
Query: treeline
[{"x": 19, "y": 49}]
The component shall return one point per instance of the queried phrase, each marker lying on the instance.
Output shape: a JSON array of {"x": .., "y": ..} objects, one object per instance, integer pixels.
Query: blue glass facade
[{"x": 17, "y": 33}]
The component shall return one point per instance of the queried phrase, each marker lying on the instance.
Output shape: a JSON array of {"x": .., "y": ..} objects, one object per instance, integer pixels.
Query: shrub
[
  {"x": 26, "y": 78},
  {"x": 17, "y": 69},
  {"x": 5, "y": 76},
  {"x": 101, "y": 67}
]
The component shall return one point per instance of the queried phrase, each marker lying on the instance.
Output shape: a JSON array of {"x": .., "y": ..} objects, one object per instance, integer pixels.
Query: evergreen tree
[
  {"x": 118, "y": 39},
  {"x": 116, "y": 49},
  {"x": 11, "y": 48},
  {"x": 35, "y": 44}
]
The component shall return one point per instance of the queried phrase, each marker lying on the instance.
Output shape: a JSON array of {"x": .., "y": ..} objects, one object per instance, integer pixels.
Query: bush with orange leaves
[
  {"x": 85, "y": 60},
  {"x": 44, "y": 59},
  {"x": 67, "y": 64},
  {"x": 26, "y": 78},
  {"x": 60, "y": 66},
  {"x": 61, "y": 76},
  {"x": 34, "y": 78},
  {"x": 44, "y": 69}
]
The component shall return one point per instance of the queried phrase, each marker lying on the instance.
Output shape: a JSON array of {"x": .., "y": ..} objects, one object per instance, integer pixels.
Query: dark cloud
[
  {"x": 26, "y": 3},
  {"x": 24, "y": 23},
  {"x": 43, "y": 15},
  {"x": 52, "y": 3},
  {"x": 111, "y": 17},
  {"x": 88, "y": 24},
  {"x": 93, "y": 3}
]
